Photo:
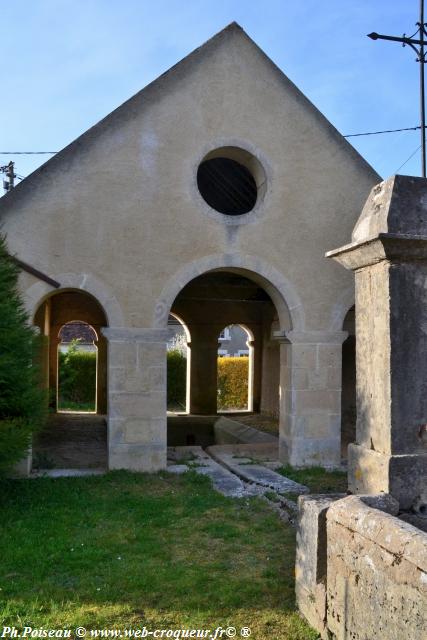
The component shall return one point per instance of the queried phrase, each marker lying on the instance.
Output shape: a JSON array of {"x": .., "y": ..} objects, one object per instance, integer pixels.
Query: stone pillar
[
  {"x": 203, "y": 375},
  {"x": 310, "y": 397},
  {"x": 136, "y": 399},
  {"x": 389, "y": 256}
]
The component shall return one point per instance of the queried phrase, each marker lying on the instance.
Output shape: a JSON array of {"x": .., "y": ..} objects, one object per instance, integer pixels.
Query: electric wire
[
  {"x": 375, "y": 133},
  {"x": 350, "y": 135},
  {"x": 407, "y": 160},
  {"x": 26, "y": 153}
]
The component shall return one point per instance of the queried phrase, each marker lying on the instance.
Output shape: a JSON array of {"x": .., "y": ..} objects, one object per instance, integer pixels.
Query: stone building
[{"x": 212, "y": 194}]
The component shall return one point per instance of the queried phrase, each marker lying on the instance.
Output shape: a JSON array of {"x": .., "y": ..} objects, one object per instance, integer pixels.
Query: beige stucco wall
[
  {"x": 123, "y": 201},
  {"x": 119, "y": 214}
]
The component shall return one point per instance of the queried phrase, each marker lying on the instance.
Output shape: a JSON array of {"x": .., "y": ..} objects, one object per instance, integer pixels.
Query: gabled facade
[{"x": 221, "y": 167}]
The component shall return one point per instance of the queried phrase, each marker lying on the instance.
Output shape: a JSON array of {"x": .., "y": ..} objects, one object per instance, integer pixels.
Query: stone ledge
[{"x": 384, "y": 529}]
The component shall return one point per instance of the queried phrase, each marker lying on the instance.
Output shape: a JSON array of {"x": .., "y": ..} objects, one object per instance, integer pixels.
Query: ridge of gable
[{"x": 157, "y": 85}]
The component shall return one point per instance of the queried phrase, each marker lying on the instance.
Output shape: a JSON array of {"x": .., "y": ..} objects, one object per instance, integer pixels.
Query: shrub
[
  {"x": 77, "y": 378},
  {"x": 176, "y": 378},
  {"x": 233, "y": 383},
  {"x": 23, "y": 402}
]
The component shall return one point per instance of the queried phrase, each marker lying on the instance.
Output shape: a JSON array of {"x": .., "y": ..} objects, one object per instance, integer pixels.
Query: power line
[
  {"x": 407, "y": 160},
  {"x": 375, "y": 133},
  {"x": 350, "y": 135},
  {"x": 25, "y": 153}
]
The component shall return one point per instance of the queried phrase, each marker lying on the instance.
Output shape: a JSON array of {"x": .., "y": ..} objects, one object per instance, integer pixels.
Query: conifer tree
[{"x": 22, "y": 400}]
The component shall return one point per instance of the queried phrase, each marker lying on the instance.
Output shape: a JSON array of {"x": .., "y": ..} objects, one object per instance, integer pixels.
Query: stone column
[
  {"x": 203, "y": 376},
  {"x": 389, "y": 256},
  {"x": 310, "y": 398},
  {"x": 136, "y": 398}
]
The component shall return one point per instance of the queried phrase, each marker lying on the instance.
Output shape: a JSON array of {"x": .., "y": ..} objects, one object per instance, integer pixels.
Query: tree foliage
[{"x": 22, "y": 399}]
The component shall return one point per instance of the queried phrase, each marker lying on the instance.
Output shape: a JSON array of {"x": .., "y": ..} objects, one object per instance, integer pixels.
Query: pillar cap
[
  {"x": 392, "y": 225},
  {"x": 397, "y": 205}
]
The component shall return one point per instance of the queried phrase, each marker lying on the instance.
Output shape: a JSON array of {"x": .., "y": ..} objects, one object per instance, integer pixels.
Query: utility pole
[
  {"x": 9, "y": 170},
  {"x": 418, "y": 45}
]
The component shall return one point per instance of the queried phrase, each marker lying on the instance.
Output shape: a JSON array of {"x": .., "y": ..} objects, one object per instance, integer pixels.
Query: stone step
[
  {"x": 249, "y": 471},
  {"x": 222, "y": 479}
]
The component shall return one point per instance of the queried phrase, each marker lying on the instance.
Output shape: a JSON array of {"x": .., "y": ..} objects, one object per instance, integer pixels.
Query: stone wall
[{"x": 361, "y": 572}]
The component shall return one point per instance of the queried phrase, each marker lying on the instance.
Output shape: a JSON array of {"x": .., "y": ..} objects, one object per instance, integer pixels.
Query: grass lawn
[
  {"x": 317, "y": 479},
  {"x": 131, "y": 550}
]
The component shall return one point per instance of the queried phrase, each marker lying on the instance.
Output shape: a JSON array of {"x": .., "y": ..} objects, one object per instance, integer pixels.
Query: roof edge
[{"x": 179, "y": 67}]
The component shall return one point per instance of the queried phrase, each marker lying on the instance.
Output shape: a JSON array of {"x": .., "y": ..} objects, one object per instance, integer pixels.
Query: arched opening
[
  {"x": 76, "y": 433},
  {"x": 77, "y": 368},
  {"x": 235, "y": 369},
  {"x": 348, "y": 384},
  {"x": 178, "y": 365},
  {"x": 212, "y": 307}
]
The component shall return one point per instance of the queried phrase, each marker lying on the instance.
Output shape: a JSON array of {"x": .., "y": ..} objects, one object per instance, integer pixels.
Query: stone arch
[
  {"x": 183, "y": 324},
  {"x": 35, "y": 295},
  {"x": 282, "y": 292}
]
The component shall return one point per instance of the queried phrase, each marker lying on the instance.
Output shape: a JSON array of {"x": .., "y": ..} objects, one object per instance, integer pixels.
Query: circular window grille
[{"x": 227, "y": 186}]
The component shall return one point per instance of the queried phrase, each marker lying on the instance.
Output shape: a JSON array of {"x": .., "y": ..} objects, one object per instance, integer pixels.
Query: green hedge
[
  {"x": 233, "y": 383},
  {"x": 176, "y": 379},
  {"x": 77, "y": 379}
]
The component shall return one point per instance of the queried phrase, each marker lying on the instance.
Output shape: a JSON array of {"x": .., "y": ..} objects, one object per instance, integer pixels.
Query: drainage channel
[{"x": 238, "y": 476}]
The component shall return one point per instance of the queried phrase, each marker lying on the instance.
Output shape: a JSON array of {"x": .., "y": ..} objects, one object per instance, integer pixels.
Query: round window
[{"x": 227, "y": 181}]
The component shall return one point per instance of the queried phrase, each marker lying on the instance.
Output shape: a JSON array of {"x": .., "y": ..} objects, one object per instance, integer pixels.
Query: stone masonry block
[
  {"x": 315, "y": 400},
  {"x": 149, "y": 405},
  {"x": 371, "y": 569},
  {"x": 310, "y": 564},
  {"x": 145, "y": 458},
  {"x": 308, "y": 452},
  {"x": 122, "y": 354},
  {"x": 151, "y": 354},
  {"x": 317, "y": 426},
  {"x": 300, "y": 378},
  {"x": 329, "y": 355},
  {"x": 318, "y": 378},
  {"x": 150, "y": 431},
  {"x": 304, "y": 355},
  {"x": 334, "y": 377},
  {"x": 123, "y": 381}
]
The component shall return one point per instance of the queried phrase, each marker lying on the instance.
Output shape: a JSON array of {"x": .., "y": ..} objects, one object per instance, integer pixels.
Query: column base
[
  {"x": 134, "y": 457},
  {"x": 310, "y": 452},
  {"x": 403, "y": 476}
]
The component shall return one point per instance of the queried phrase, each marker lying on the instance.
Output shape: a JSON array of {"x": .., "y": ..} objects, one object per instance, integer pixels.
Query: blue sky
[{"x": 68, "y": 63}]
